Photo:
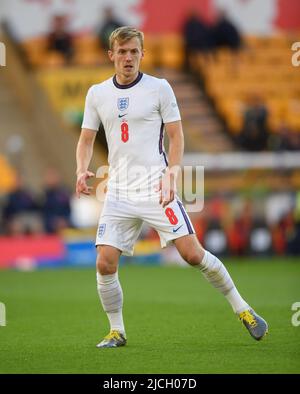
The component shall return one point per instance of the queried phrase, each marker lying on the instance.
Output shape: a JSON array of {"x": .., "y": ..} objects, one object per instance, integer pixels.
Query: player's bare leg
[
  {"x": 215, "y": 272},
  {"x": 111, "y": 295}
]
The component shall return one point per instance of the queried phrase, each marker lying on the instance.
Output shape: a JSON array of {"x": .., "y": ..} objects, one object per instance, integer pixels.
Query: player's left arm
[{"x": 176, "y": 148}]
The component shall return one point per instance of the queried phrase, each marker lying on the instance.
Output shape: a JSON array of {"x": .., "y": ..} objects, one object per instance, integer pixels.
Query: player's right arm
[{"x": 84, "y": 154}]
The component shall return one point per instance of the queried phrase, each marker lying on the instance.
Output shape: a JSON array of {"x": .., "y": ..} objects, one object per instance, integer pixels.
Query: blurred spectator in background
[
  {"x": 21, "y": 212},
  {"x": 225, "y": 34},
  {"x": 239, "y": 229},
  {"x": 294, "y": 139},
  {"x": 59, "y": 39},
  {"x": 197, "y": 37},
  {"x": 254, "y": 134},
  {"x": 56, "y": 206},
  {"x": 278, "y": 239},
  {"x": 200, "y": 226},
  {"x": 110, "y": 23},
  {"x": 292, "y": 233},
  {"x": 280, "y": 141}
]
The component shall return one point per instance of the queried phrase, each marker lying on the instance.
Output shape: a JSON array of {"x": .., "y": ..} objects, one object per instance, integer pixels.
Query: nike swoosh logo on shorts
[
  {"x": 176, "y": 229},
  {"x": 121, "y": 116}
]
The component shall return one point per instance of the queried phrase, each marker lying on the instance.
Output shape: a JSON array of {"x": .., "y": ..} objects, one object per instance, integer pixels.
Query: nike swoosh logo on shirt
[
  {"x": 121, "y": 116},
  {"x": 176, "y": 229}
]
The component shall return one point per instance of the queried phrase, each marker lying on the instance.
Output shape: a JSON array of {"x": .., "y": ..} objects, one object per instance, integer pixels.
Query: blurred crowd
[
  {"x": 24, "y": 212},
  {"x": 207, "y": 38},
  {"x": 259, "y": 225},
  {"x": 235, "y": 225},
  {"x": 230, "y": 223},
  {"x": 61, "y": 40},
  {"x": 197, "y": 34},
  {"x": 255, "y": 134}
]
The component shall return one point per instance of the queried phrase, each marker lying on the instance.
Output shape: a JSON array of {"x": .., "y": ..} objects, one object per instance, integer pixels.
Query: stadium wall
[{"x": 27, "y": 253}]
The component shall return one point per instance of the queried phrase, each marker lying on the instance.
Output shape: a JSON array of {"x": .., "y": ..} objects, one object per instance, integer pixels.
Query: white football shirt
[{"x": 133, "y": 117}]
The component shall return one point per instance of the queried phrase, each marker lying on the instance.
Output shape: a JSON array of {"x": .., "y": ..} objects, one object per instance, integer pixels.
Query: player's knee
[
  {"x": 106, "y": 266},
  {"x": 194, "y": 257}
]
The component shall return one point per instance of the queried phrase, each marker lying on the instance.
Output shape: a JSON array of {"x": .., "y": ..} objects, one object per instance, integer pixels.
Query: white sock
[
  {"x": 111, "y": 297},
  {"x": 236, "y": 301},
  {"x": 216, "y": 273}
]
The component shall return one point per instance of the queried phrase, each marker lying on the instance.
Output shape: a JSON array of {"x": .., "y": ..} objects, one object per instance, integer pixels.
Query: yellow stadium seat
[
  {"x": 7, "y": 176},
  {"x": 152, "y": 51},
  {"x": 54, "y": 59},
  {"x": 87, "y": 43},
  {"x": 34, "y": 45},
  {"x": 35, "y": 50},
  {"x": 171, "y": 51},
  {"x": 89, "y": 58}
]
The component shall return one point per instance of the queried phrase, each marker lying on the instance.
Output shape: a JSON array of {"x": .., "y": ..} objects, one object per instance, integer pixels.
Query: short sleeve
[
  {"x": 91, "y": 119},
  {"x": 168, "y": 105}
]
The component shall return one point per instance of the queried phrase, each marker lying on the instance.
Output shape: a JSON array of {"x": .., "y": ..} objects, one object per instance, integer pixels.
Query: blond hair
[{"x": 123, "y": 34}]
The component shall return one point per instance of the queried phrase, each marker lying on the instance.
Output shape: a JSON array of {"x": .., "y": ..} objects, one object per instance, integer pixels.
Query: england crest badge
[
  {"x": 101, "y": 230},
  {"x": 123, "y": 103}
]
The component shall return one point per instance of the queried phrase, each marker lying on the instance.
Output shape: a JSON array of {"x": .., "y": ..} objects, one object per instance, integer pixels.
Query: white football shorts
[{"x": 121, "y": 222}]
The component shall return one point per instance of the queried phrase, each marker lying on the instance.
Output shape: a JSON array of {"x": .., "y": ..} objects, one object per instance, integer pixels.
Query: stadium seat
[
  {"x": 86, "y": 43},
  {"x": 151, "y": 46},
  {"x": 35, "y": 50},
  {"x": 53, "y": 60},
  {"x": 171, "y": 51},
  {"x": 86, "y": 58},
  {"x": 7, "y": 176},
  {"x": 264, "y": 69}
]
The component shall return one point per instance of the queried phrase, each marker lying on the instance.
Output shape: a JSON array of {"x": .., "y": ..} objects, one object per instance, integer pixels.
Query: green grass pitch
[{"x": 176, "y": 322}]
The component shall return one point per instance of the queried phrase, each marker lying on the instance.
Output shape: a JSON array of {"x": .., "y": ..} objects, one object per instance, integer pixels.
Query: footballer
[{"x": 135, "y": 109}]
